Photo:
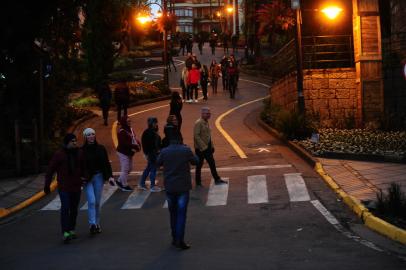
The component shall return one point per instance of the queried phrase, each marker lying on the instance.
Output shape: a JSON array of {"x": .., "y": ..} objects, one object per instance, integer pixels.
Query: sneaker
[
  {"x": 142, "y": 188},
  {"x": 126, "y": 188},
  {"x": 98, "y": 229},
  {"x": 118, "y": 184},
  {"x": 190, "y": 101},
  {"x": 93, "y": 229},
  {"x": 220, "y": 182},
  {"x": 66, "y": 237},
  {"x": 156, "y": 189},
  {"x": 112, "y": 182},
  {"x": 73, "y": 235},
  {"x": 196, "y": 100}
]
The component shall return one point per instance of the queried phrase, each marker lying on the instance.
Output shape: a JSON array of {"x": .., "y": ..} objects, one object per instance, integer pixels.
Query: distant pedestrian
[
  {"x": 212, "y": 43},
  {"x": 204, "y": 80},
  {"x": 68, "y": 164},
  {"x": 170, "y": 60},
  {"x": 98, "y": 171},
  {"x": 193, "y": 81},
  {"x": 127, "y": 146},
  {"x": 151, "y": 145},
  {"x": 224, "y": 66},
  {"x": 189, "y": 61},
  {"x": 183, "y": 84},
  {"x": 104, "y": 93},
  {"x": 232, "y": 79},
  {"x": 234, "y": 43},
  {"x": 175, "y": 107},
  {"x": 171, "y": 129},
  {"x": 122, "y": 98},
  {"x": 214, "y": 72},
  {"x": 204, "y": 147},
  {"x": 176, "y": 160},
  {"x": 225, "y": 43},
  {"x": 182, "y": 45},
  {"x": 189, "y": 44},
  {"x": 200, "y": 44}
]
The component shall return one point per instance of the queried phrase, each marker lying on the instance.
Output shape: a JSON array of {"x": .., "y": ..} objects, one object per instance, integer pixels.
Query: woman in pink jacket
[{"x": 193, "y": 80}]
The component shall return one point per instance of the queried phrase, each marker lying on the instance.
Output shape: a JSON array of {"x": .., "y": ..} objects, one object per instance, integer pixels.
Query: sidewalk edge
[{"x": 371, "y": 221}]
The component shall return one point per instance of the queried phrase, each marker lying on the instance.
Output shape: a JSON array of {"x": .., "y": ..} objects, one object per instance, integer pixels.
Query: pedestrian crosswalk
[{"x": 258, "y": 191}]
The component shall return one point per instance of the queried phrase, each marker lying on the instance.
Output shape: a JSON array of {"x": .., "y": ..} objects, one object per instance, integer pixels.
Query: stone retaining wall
[{"x": 330, "y": 95}]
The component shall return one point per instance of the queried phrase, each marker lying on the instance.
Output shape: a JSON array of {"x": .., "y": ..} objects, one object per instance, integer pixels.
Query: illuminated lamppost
[
  {"x": 164, "y": 16},
  {"x": 331, "y": 13},
  {"x": 230, "y": 11}
]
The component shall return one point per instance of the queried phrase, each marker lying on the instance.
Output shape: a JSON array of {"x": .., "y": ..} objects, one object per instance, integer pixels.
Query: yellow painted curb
[
  {"x": 361, "y": 211},
  {"x": 4, "y": 212}
]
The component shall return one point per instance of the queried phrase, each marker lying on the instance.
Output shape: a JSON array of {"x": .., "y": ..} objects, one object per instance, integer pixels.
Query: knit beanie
[
  {"x": 88, "y": 131},
  {"x": 68, "y": 138}
]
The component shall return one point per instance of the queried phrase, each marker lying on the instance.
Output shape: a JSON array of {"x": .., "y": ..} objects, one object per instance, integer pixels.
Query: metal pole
[
  {"x": 17, "y": 139},
  {"x": 41, "y": 109},
  {"x": 166, "y": 75},
  {"x": 299, "y": 64}
]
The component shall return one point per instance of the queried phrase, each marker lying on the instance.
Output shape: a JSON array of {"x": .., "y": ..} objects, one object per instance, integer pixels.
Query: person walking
[
  {"x": 193, "y": 81},
  {"x": 204, "y": 147},
  {"x": 151, "y": 145},
  {"x": 225, "y": 43},
  {"x": 104, "y": 93},
  {"x": 170, "y": 60},
  {"x": 214, "y": 75},
  {"x": 224, "y": 66},
  {"x": 176, "y": 160},
  {"x": 170, "y": 129},
  {"x": 68, "y": 164},
  {"x": 232, "y": 79},
  {"x": 98, "y": 171},
  {"x": 204, "y": 80},
  {"x": 127, "y": 146},
  {"x": 212, "y": 43},
  {"x": 182, "y": 45},
  {"x": 183, "y": 84},
  {"x": 234, "y": 42},
  {"x": 189, "y": 61},
  {"x": 200, "y": 43},
  {"x": 175, "y": 107},
  {"x": 122, "y": 98}
]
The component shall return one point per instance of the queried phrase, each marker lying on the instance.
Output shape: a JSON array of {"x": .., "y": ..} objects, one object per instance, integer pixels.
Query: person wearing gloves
[
  {"x": 98, "y": 170},
  {"x": 68, "y": 164},
  {"x": 127, "y": 146}
]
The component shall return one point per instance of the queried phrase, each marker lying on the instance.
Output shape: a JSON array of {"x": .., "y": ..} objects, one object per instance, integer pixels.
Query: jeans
[
  {"x": 149, "y": 170},
  {"x": 193, "y": 86},
  {"x": 94, "y": 190},
  {"x": 126, "y": 165},
  {"x": 177, "y": 206},
  {"x": 121, "y": 107},
  {"x": 208, "y": 156},
  {"x": 69, "y": 209}
]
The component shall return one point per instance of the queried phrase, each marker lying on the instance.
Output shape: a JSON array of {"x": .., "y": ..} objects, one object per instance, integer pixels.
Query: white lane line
[
  {"x": 263, "y": 84},
  {"x": 165, "y": 204},
  {"x": 229, "y": 169},
  {"x": 333, "y": 221},
  {"x": 257, "y": 189},
  {"x": 217, "y": 194},
  {"x": 53, "y": 205},
  {"x": 136, "y": 199},
  {"x": 296, "y": 187},
  {"x": 107, "y": 192}
]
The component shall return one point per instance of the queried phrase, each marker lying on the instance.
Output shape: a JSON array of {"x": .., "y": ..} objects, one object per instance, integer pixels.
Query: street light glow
[
  {"x": 143, "y": 19},
  {"x": 332, "y": 12},
  {"x": 230, "y": 9}
]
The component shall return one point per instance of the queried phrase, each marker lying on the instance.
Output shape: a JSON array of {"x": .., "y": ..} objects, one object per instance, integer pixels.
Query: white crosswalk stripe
[
  {"x": 107, "y": 192},
  {"x": 136, "y": 199},
  {"x": 217, "y": 194},
  {"x": 296, "y": 187},
  {"x": 257, "y": 189}
]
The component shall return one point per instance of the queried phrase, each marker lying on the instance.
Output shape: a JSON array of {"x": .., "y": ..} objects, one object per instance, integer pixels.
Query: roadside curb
[{"x": 371, "y": 221}]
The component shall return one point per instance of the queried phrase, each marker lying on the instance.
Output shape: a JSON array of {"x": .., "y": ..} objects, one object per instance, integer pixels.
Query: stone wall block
[
  {"x": 320, "y": 83},
  {"x": 327, "y": 93},
  {"x": 343, "y": 93}
]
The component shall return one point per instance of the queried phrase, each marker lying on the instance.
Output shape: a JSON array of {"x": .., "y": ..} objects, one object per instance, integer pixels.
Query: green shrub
[
  {"x": 125, "y": 76},
  {"x": 393, "y": 202},
  {"x": 165, "y": 90},
  {"x": 87, "y": 101}
]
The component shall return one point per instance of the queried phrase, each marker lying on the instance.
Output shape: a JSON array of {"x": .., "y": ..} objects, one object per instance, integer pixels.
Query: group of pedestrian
[
  {"x": 193, "y": 76},
  {"x": 230, "y": 74},
  {"x": 186, "y": 43}
]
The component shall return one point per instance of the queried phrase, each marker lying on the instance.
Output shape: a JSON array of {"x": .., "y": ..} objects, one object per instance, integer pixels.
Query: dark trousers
[
  {"x": 224, "y": 80},
  {"x": 232, "y": 85},
  {"x": 69, "y": 209},
  {"x": 208, "y": 156},
  {"x": 193, "y": 87},
  {"x": 204, "y": 90},
  {"x": 121, "y": 107},
  {"x": 177, "y": 206},
  {"x": 214, "y": 81},
  {"x": 213, "y": 50},
  {"x": 105, "y": 111}
]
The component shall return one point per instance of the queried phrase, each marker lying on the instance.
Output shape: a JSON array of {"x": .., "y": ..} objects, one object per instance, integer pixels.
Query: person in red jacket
[
  {"x": 193, "y": 81},
  {"x": 68, "y": 164},
  {"x": 127, "y": 146}
]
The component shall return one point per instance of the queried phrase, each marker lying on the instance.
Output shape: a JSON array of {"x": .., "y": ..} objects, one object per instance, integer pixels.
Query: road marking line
[
  {"x": 226, "y": 135},
  {"x": 296, "y": 187},
  {"x": 165, "y": 204},
  {"x": 227, "y": 169},
  {"x": 107, "y": 192},
  {"x": 217, "y": 194},
  {"x": 263, "y": 84},
  {"x": 257, "y": 189},
  {"x": 136, "y": 199},
  {"x": 55, "y": 204},
  {"x": 333, "y": 221}
]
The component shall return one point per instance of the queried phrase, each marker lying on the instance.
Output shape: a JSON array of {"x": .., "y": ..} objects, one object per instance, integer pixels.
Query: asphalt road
[{"x": 276, "y": 213}]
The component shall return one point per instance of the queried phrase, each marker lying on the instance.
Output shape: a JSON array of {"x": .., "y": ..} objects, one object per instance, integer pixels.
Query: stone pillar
[{"x": 368, "y": 61}]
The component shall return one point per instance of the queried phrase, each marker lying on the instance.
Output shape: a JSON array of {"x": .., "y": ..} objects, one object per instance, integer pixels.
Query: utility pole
[{"x": 299, "y": 57}]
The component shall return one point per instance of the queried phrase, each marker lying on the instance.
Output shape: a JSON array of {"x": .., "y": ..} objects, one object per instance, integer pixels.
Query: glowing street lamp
[
  {"x": 332, "y": 12},
  {"x": 230, "y": 9},
  {"x": 143, "y": 19}
]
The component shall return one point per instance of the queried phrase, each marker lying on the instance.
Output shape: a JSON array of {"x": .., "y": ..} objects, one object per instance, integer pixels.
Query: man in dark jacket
[
  {"x": 151, "y": 144},
  {"x": 122, "y": 99},
  {"x": 176, "y": 160},
  {"x": 68, "y": 164}
]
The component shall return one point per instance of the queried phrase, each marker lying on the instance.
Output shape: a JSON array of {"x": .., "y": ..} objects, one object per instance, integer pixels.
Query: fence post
[{"x": 18, "y": 146}]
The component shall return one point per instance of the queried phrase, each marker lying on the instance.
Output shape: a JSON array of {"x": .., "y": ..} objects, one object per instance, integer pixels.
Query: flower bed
[{"x": 358, "y": 142}]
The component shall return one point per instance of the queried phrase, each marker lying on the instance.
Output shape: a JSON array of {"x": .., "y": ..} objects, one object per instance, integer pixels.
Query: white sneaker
[
  {"x": 155, "y": 189},
  {"x": 196, "y": 100},
  {"x": 142, "y": 188},
  {"x": 189, "y": 101}
]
